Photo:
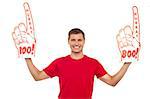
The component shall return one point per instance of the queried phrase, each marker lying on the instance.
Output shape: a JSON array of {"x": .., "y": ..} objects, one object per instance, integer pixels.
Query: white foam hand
[
  {"x": 23, "y": 35},
  {"x": 129, "y": 40}
]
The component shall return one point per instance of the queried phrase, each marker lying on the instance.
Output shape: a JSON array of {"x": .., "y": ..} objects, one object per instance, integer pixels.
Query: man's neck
[{"x": 76, "y": 55}]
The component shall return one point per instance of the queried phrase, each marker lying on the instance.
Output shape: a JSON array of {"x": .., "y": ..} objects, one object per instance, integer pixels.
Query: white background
[{"x": 99, "y": 19}]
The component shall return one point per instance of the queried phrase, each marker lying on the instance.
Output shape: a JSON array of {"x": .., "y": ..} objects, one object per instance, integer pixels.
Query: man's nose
[{"x": 76, "y": 43}]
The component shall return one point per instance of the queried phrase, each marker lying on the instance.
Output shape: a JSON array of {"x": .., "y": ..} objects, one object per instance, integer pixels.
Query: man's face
[{"x": 76, "y": 42}]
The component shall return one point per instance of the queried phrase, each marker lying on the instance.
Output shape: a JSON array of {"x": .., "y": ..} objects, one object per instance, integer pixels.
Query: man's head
[{"x": 76, "y": 40}]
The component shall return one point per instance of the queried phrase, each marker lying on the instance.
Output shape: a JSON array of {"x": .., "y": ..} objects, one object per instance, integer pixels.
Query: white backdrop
[{"x": 99, "y": 19}]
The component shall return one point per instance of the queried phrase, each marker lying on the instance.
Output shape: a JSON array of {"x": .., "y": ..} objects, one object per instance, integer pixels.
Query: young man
[{"x": 76, "y": 71}]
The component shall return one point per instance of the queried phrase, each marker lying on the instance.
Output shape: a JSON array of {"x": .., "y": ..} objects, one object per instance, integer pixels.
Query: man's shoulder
[
  {"x": 91, "y": 58},
  {"x": 61, "y": 58}
]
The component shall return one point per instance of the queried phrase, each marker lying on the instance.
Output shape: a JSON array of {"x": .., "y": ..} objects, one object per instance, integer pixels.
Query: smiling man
[{"x": 76, "y": 71}]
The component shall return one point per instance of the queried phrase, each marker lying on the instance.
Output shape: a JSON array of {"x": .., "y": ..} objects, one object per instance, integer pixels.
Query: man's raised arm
[
  {"x": 37, "y": 75},
  {"x": 113, "y": 80}
]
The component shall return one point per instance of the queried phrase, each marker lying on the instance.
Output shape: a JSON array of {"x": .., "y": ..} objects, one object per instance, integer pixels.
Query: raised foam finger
[
  {"x": 136, "y": 23},
  {"x": 29, "y": 19}
]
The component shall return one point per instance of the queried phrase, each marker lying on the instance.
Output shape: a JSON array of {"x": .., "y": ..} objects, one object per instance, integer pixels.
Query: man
[{"x": 76, "y": 71}]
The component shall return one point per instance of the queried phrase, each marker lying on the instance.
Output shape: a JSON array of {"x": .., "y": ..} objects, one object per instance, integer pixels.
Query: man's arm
[
  {"x": 37, "y": 75},
  {"x": 113, "y": 80}
]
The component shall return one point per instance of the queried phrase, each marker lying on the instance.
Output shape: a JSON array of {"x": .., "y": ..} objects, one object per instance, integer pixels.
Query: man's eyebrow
[{"x": 72, "y": 39}]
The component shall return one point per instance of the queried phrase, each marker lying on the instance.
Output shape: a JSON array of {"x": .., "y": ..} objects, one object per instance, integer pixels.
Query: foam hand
[
  {"x": 128, "y": 39},
  {"x": 24, "y": 37}
]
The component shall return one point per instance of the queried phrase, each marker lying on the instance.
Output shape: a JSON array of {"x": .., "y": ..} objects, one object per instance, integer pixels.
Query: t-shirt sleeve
[
  {"x": 100, "y": 71},
  {"x": 52, "y": 69}
]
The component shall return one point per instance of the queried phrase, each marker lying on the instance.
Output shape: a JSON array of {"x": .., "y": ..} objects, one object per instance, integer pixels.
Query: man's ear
[
  {"x": 84, "y": 41},
  {"x": 68, "y": 41}
]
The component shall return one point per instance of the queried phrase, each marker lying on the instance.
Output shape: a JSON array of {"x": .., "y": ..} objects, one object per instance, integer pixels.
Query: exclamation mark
[{"x": 33, "y": 46}]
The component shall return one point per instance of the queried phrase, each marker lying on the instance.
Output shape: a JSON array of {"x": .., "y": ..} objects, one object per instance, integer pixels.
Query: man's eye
[
  {"x": 72, "y": 39},
  {"x": 80, "y": 40}
]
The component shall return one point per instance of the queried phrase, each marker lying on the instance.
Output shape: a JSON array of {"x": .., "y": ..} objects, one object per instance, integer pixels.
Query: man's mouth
[{"x": 76, "y": 47}]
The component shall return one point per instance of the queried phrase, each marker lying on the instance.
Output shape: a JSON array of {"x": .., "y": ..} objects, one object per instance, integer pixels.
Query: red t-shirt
[{"x": 76, "y": 77}]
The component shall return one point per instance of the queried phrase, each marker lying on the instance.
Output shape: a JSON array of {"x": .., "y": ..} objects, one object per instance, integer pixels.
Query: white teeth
[{"x": 76, "y": 46}]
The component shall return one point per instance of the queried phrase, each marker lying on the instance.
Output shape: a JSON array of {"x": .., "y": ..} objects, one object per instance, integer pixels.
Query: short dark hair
[{"x": 75, "y": 31}]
